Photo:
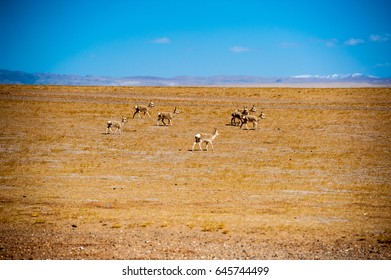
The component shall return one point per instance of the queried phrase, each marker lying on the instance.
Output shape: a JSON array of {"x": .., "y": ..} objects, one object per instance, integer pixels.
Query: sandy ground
[{"x": 312, "y": 183}]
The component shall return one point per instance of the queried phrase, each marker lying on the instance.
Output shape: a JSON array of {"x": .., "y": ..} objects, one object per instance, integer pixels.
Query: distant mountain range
[{"x": 19, "y": 77}]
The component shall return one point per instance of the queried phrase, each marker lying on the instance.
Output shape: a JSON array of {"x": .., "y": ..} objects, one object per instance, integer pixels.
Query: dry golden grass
[{"x": 318, "y": 167}]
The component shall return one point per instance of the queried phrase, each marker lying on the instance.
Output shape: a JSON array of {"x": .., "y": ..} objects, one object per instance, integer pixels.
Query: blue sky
[{"x": 197, "y": 38}]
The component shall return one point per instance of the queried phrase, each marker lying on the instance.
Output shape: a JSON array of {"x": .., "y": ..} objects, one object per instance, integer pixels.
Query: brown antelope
[
  {"x": 252, "y": 119},
  {"x": 143, "y": 109},
  {"x": 237, "y": 116},
  {"x": 118, "y": 125},
  {"x": 161, "y": 116}
]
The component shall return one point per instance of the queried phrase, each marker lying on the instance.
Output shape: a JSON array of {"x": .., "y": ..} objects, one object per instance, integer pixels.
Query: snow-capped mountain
[
  {"x": 336, "y": 76},
  {"x": 357, "y": 78},
  {"x": 18, "y": 77}
]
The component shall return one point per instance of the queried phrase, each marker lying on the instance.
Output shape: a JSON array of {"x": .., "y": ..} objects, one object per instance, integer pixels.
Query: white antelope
[
  {"x": 118, "y": 125},
  {"x": 205, "y": 137},
  {"x": 161, "y": 116},
  {"x": 252, "y": 119},
  {"x": 143, "y": 109}
]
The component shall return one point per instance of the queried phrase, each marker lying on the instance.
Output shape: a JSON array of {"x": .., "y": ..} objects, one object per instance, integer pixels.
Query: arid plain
[{"x": 314, "y": 182}]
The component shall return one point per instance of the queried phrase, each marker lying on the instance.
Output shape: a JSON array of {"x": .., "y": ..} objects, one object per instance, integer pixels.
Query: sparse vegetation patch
[{"x": 313, "y": 177}]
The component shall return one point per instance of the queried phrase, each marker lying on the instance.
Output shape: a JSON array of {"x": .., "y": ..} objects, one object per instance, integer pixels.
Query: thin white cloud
[
  {"x": 381, "y": 65},
  {"x": 331, "y": 43},
  {"x": 239, "y": 49},
  {"x": 162, "y": 40},
  {"x": 379, "y": 38},
  {"x": 354, "y": 42},
  {"x": 287, "y": 45}
]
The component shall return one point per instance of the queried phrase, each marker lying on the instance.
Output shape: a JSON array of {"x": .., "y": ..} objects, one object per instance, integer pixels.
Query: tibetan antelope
[
  {"x": 143, "y": 109},
  {"x": 205, "y": 137},
  {"x": 237, "y": 116},
  {"x": 252, "y": 119},
  {"x": 161, "y": 116},
  {"x": 118, "y": 125}
]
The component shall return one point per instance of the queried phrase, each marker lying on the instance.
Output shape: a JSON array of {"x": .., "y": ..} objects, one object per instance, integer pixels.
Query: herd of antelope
[
  {"x": 244, "y": 117},
  {"x": 239, "y": 118}
]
